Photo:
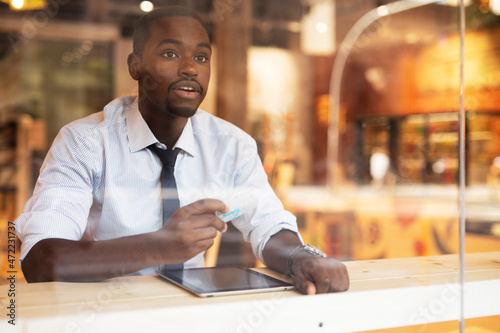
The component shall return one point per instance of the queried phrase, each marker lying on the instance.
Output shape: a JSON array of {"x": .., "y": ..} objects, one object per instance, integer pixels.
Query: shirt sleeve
[
  {"x": 62, "y": 196},
  {"x": 269, "y": 216}
]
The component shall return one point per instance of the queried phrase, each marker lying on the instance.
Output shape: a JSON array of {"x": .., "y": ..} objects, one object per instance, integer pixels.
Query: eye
[
  {"x": 169, "y": 54},
  {"x": 201, "y": 58}
]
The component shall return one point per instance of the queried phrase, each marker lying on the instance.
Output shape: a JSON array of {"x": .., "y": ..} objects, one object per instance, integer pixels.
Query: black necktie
[{"x": 170, "y": 198}]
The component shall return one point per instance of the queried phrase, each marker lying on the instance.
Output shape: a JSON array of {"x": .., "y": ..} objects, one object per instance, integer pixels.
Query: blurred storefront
[{"x": 395, "y": 186}]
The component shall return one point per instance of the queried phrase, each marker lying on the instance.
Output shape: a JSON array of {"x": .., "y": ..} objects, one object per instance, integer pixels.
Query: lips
[{"x": 186, "y": 89}]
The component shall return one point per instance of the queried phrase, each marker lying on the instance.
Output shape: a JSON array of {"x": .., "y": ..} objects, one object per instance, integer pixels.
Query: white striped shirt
[{"x": 99, "y": 182}]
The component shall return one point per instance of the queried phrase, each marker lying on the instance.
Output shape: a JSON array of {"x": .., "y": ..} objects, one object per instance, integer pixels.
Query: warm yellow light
[
  {"x": 456, "y": 2},
  {"x": 146, "y": 6},
  {"x": 317, "y": 34},
  {"x": 495, "y": 229},
  {"x": 382, "y": 10},
  {"x": 18, "y": 4},
  {"x": 27, "y": 4},
  {"x": 495, "y": 6},
  {"x": 273, "y": 80},
  {"x": 321, "y": 27}
]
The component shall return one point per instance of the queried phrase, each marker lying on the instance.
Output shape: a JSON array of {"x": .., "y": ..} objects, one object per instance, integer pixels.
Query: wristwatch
[{"x": 311, "y": 249}]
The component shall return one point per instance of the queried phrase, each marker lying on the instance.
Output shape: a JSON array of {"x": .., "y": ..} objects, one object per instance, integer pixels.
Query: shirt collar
[
  {"x": 186, "y": 140},
  {"x": 140, "y": 136}
]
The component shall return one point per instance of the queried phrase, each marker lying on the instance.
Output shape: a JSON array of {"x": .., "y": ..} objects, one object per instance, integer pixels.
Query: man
[{"x": 96, "y": 209}]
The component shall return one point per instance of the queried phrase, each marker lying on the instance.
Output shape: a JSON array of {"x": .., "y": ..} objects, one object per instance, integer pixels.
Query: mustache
[{"x": 186, "y": 79}]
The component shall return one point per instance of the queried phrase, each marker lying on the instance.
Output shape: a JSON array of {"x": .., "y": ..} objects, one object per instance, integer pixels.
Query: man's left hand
[{"x": 317, "y": 275}]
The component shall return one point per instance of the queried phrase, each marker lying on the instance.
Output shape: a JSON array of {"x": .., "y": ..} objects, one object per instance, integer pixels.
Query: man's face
[{"x": 175, "y": 66}]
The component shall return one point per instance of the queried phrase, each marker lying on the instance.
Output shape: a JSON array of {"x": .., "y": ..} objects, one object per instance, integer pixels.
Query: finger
[
  {"x": 195, "y": 237},
  {"x": 343, "y": 278},
  {"x": 303, "y": 284},
  {"x": 184, "y": 218},
  {"x": 204, "y": 245},
  {"x": 310, "y": 288},
  {"x": 335, "y": 278},
  {"x": 317, "y": 276},
  {"x": 323, "y": 284},
  {"x": 331, "y": 277},
  {"x": 197, "y": 247},
  {"x": 205, "y": 233},
  {"x": 209, "y": 220}
]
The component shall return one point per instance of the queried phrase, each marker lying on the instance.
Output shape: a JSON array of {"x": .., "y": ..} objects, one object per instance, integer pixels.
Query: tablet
[{"x": 224, "y": 280}]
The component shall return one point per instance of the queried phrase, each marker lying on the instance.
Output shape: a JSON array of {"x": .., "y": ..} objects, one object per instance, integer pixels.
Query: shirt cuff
[{"x": 271, "y": 233}]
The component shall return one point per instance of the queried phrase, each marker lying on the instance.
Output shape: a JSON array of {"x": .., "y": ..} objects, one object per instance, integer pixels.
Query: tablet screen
[{"x": 224, "y": 280}]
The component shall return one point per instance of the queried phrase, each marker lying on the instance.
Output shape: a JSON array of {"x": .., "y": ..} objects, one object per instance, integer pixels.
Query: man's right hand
[{"x": 191, "y": 229}]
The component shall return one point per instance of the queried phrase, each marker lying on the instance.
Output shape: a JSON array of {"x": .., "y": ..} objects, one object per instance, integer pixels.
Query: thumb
[{"x": 310, "y": 288}]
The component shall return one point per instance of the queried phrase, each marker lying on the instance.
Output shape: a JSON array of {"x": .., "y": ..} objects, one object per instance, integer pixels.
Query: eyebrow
[{"x": 178, "y": 42}]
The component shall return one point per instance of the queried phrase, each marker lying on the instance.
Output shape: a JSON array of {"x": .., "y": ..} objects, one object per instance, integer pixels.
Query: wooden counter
[{"x": 383, "y": 294}]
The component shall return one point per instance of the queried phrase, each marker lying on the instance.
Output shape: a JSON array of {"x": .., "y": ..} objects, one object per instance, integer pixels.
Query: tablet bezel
[{"x": 185, "y": 284}]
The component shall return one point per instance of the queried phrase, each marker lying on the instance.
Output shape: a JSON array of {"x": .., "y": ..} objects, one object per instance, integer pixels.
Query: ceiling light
[
  {"x": 27, "y": 4},
  {"x": 146, "y": 6},
  {"x": 321, "y": 27},
  {"x": 495, "y": 6},
  {"x": 318, "y": 29},
  {"x": 17, "y": 4}
]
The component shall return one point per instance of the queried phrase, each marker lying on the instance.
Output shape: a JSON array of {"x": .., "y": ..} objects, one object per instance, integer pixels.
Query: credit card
[{"x": 241, "y": 202}]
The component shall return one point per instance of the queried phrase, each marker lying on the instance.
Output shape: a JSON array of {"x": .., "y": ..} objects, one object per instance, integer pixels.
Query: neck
[{"x": 166, "y": 128}]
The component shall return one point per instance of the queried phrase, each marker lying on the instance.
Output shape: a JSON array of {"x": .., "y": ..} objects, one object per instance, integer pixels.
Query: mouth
[{"x": 186, "y": 89}]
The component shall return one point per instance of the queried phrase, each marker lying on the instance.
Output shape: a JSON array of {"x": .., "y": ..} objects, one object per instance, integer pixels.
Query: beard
[{"x": 181, "y": 110}]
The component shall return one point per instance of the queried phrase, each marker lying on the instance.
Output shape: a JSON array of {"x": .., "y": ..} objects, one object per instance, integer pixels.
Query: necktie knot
[{"x": 167, "y": 156}]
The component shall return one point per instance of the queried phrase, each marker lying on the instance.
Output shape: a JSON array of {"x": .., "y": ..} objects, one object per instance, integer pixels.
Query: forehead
[{"x": 186, "y": 29}]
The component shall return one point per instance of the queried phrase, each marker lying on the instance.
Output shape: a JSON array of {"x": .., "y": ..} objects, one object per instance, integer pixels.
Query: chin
[{"x": 185, "y": 112}]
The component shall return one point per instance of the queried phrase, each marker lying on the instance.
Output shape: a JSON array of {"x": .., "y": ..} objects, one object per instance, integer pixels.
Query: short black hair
[{"x": 141, "y": 31}]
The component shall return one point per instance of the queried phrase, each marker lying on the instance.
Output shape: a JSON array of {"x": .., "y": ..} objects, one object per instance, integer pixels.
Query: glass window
[{"x": 357, "y": 109}]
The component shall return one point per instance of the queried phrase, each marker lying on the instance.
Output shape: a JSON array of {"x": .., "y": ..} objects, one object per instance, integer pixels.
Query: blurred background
[{"x": 354, "y": 104}]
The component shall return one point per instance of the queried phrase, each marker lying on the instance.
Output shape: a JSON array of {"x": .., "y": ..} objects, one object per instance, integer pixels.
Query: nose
[{"x": 188, "y": 68}]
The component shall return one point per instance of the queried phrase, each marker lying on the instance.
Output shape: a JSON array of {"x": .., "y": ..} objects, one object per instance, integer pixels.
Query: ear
[{"x": 134, "y": 66}]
